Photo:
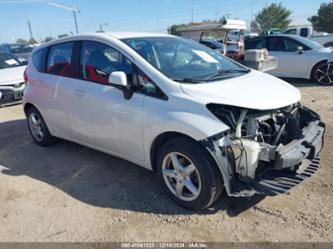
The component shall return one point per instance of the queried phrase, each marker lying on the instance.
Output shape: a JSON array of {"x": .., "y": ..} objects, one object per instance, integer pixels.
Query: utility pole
[
  {"x": 30, "y": 30},
  {"x": 192, "y": 11},
  {"x": 75, "y": 21},
  {"x": 251, "y": 16},
  {"x": 74, "y": 10}
]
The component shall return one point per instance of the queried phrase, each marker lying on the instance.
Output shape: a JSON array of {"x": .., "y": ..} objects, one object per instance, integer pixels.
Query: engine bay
[{"x": 257, "y": 137}]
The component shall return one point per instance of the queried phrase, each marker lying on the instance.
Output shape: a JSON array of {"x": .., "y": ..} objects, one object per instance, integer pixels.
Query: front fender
[{"x": 161, "y": 117}]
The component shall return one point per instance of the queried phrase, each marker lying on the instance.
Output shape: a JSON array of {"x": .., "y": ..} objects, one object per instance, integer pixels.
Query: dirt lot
[{"x": 70, "y": 193}]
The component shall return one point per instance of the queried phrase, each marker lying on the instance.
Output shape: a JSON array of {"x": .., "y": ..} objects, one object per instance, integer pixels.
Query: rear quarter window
[{"x": 38, "y": 59}]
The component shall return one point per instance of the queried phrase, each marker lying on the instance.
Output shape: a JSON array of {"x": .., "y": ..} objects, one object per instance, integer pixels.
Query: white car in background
[
  {"x": 298, "y": 57},
  {"x": 11, "y": 79},
  {"x": 203, "y": 122}
]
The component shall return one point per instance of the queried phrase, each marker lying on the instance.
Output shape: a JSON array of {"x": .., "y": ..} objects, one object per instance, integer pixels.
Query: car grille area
[{"x": 10, "y": 96}]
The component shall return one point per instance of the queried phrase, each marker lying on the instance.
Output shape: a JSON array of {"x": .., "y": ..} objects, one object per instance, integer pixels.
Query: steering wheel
[{"x": 184, "y": 64}]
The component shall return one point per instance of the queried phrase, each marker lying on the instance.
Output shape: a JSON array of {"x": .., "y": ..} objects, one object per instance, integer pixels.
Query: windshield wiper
[
  {"x": 186, "y": 80},
  {"x": 221, "y": 72}
]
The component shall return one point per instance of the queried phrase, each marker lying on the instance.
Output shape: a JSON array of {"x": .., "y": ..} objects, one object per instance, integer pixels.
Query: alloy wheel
[
  {"x": 324, "y": 74},
  {"x": 181, "y": 176},
  {"x": 36, "y": 128}
]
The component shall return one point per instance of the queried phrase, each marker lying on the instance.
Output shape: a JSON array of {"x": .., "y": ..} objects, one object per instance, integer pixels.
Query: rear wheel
[
  {"x": 38, "y": 129},
  {"x": 323, "y": 73},
  {"x": 188, "y": 174}
]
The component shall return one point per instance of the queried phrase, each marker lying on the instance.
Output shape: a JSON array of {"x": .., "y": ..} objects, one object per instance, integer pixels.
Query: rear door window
[
  {"x": 276, "y": 44},
  {"x": 257, "y": 43},
  {"x": 283, "y": 44},
  {"x": 59, "y": 61}
]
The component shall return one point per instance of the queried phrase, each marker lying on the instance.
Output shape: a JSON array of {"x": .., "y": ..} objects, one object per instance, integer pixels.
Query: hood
[
  {"x": 325, "y": 50},
  {"x": 12, "y": 75},
  {"x": 326, "y": 53},
  {"x": 254, "y": 90}
]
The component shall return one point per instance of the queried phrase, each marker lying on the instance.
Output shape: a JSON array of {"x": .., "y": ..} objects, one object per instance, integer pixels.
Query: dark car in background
[{"x": 19, "y": 50}]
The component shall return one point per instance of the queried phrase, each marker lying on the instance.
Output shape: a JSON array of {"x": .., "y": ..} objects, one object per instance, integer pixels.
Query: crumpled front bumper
[
  {"x": 275, "y": 182},
  {"x": 302, "y": 153},
  {"x": 294, "y": 163},
  {"x": 308, "y": 147}
]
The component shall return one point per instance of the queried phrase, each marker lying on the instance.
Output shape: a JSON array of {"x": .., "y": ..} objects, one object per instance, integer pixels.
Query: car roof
[
  {"x": 295, "y": 37},
  {"x": 277, "y": 35},
  {"x": 116, "y": 35},
  {"x": 124, "y": 35}
]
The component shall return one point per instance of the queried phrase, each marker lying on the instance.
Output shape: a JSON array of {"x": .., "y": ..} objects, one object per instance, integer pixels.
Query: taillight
[{"x": 25, "y": 76}]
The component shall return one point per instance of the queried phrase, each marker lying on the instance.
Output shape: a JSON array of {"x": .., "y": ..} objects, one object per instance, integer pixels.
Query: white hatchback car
[{"x": 203, "y": 122}]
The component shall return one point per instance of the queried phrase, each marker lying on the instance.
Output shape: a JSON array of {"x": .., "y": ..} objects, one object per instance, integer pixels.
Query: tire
[
  {"x": 329, "y": 44},
  {"x": 205, "y": 177},
  {"x": 38, "y": 129},
  {"x": 323, "y": 73}
]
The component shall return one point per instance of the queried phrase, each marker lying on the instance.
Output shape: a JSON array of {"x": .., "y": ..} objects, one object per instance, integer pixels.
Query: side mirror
[
  {"x": 300, "y": 50},
  {"x": 119, "y": 79}
]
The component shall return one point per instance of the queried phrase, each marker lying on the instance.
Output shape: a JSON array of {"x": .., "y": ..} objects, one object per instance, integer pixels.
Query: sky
[{"x": 129, "y": 15}]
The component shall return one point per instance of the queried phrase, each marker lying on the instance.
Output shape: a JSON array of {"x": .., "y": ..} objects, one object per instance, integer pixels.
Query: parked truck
[{"x": 307, "y": 31}]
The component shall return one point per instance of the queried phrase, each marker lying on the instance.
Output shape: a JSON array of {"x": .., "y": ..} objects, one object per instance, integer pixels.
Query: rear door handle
[{"x": 79, "y": 92}]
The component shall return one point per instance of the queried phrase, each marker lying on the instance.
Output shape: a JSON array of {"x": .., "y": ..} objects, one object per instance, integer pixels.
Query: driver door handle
[{"x": 79, "y": 92}]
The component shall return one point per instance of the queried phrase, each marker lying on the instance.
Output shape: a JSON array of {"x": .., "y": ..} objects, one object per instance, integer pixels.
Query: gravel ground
[{"x": 71, "y": 193}]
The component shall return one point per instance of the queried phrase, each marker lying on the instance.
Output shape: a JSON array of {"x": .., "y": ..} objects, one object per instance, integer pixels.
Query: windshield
[
  {"x": 7, "y": 61},
  {"x": 185, "y": 60},
  {"x": 311, "y": 44}
]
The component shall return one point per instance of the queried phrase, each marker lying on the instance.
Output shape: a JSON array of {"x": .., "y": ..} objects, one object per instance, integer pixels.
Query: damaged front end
[{"x": 266, "y": 152}]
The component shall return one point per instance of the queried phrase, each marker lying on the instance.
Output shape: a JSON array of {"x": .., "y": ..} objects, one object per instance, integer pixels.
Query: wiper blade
[
  {"x": 237, "y": 71},
  {"x": 186, "y": 80},
  {"x": 221, "y": 72}
]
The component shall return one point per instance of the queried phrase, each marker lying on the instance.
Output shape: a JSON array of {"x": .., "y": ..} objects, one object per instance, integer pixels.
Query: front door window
[{"x": 99, "y": 60}]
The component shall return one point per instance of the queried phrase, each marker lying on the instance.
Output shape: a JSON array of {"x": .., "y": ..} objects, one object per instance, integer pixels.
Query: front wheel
[
  {"x": 323, "y": 73},
  {"x": 188, "y": 174}
]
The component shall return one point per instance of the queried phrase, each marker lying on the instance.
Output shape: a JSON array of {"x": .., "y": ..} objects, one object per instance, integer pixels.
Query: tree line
[
  {"x": 33, "y": 41},
  {"x": 273, "y": 16},
  {"x": 279, "y": 17}
]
